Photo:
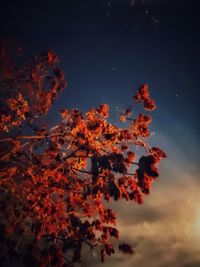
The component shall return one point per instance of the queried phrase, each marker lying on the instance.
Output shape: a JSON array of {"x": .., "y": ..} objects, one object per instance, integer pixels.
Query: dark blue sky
[{"x": 106, "y": 58}]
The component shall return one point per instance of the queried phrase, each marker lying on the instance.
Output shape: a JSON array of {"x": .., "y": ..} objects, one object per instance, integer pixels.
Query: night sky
[{"x": 107, "y": 49}]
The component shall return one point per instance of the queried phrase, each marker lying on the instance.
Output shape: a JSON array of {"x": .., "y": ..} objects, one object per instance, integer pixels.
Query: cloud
[
  {"x": 169, "y": 239},
  {"x": 165, "y": 231}
]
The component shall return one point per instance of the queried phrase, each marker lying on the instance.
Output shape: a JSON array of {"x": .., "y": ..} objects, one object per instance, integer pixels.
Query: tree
[{"x": 56, "y": 182}]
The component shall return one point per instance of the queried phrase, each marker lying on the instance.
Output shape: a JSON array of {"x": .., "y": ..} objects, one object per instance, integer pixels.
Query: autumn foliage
[{"x": 56, "y": 182}]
